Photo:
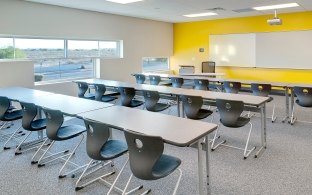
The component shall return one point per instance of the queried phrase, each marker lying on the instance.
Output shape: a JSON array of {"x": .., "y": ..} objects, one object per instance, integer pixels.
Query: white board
[
  {"x": 291, "y": 49},
  {"x": 233, "y": 50},
  {"x": 287, "y": 49}
]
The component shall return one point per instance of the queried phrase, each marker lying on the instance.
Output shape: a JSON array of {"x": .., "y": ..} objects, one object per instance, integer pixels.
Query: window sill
[{"x": 59, "y": 81}]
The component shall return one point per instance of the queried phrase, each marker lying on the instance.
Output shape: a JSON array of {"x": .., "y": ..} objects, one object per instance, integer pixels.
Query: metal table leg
[
  {"x": 178, "y": 106},
  {"x": 200, "y": 168},
  {"x": 287, "y": 105},
  {"x": 292, "y": 104},
  {"x": 207, "y": 147},
  {"x": 263, "y": 130}
]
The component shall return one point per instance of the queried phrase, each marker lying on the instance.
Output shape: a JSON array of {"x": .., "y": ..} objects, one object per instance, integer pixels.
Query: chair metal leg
[
  {"x": 128, "y": 182},
  {"x": 39, "y": 149},
  {"x": 247, "y": 152},
  {"x": 273, "y": 114},
  {"x": 93, "y": 180},
  {"x": 42, "y": 156},
  {"x": 17, "y": 150},
  {"x": 215, "y": 138},
  {"x": 124, "y": 191},
  {"x": 70, "y": 156},
  {"x": 178, "y": 182},
  {"x": 11, "y": 137}
]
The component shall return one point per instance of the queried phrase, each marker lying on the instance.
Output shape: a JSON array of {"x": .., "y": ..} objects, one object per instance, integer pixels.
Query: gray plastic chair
[
  {"x": 230, "y": 116},
  {"x": 139, "y": 78},
  {"x": 154, "y": 79},
  {"x": 201, "y": 84},
  {"x": 82, "y": 89},
  {"x": 304, "y": 96},
  {"x": 56, "y": 131},
  {"x": 126, "y": 96},
  {"x": 304, "y": 99},
  {"x": 264, "y": 91},
  {"x": 30, "y": 123},
  {"x": 147, "y": 161},
  {"x": 177, "y": 82},
  {"x": 192, "y": 107},
  {"x": 151, "y": 99},
  {"x": 8, "y": 115},
  {"x": 99, "y": 94},
  {"x": 231, "y": 87},
  {"x": 100, "y": 149}
]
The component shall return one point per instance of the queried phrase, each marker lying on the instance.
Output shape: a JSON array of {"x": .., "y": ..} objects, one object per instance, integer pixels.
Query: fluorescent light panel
[
  {"x": 124, "y": 1},
  {"x": 200, "y": 14},
  {"x": 279, "y": 6}
]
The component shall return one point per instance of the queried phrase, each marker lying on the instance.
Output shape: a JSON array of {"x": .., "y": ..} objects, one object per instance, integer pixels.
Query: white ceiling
[{"x": 173, "y": 10}]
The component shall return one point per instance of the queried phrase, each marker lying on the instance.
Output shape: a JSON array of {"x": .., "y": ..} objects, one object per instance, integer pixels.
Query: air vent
[
  {"x": 243, "y": 10},
  {"x": 215, "y": 9}
]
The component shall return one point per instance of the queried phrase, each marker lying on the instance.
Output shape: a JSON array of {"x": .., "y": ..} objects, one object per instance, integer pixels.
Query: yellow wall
[{"x": 190, "y": 36}]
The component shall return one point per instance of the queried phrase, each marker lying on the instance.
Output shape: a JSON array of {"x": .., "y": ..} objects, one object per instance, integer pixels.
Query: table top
[
  {"x": 67, "y": 104},
  {"x": 210, "y": 95},
  {"x": 186, "y": 76},
  {"x": 174, "y": 130},
  {"x": 274, "y": 84},
  {"x": 203, "y": 74},
  {"x": 15, "y": 93}
]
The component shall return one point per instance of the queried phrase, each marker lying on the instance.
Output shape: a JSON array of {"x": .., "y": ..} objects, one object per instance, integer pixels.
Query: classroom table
[
  {"x": 15, "y": 93},
  {"x": 176, "y": 131},
  {"x": 184, "y": 76},
  {"x": 204, "y": 74},
  {"x": 254, "y": 103}
]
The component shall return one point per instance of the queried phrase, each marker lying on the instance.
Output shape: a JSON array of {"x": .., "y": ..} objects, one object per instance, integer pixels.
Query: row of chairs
[{"x": 146, "y": 158}]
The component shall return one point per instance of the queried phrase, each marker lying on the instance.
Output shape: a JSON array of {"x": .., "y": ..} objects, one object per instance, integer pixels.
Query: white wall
[
  {"x": 18, "y": 73},
  {"x": 141, "y": 38}
]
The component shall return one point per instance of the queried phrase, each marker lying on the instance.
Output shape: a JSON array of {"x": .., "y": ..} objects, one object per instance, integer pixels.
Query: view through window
[
  {"x": 56, "y": 59},
  {"x": 155, "y": 64}
]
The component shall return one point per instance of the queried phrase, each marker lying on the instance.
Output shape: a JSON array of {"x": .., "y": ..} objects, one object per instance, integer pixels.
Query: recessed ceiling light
[
  {"x": 200, "y": 14},
  {"x": 279, "y": 6},
  {"x": 124, "y": 1}
]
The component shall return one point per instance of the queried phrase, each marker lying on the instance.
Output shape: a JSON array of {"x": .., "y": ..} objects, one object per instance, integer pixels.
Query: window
[
  {"x": 155, "y": 64},
  {"x": 61, "y": 69},
  {"x": 59, "y": 59},
  {"x": 6, "y": 48},
  {"x": 39, "y": 48}
]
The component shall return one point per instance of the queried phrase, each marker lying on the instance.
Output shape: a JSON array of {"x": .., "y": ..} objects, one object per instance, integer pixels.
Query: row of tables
[
  {"x": 254, "y": 103},
  {"x": 176, "y": 131},
  {"x": 286, "y": 86}
]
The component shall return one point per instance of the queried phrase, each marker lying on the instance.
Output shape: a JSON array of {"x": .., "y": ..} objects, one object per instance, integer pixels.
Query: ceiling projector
[{"x": 275, "y": 20}]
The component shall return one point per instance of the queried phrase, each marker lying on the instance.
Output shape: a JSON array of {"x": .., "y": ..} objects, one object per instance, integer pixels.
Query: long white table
[
  {"x": 256, "y": 102},
  {"x": 186, "y": 76},
  {"x": 174, "y": 130}
]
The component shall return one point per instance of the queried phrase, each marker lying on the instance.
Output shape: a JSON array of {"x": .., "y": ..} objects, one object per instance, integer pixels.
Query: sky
[{"x": 54, "y": 44}]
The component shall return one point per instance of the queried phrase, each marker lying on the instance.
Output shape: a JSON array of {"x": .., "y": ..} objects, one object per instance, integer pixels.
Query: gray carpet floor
[{"x": 284, "y": 168}]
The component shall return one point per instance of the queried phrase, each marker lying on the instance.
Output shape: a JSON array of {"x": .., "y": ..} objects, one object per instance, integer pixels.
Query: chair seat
[
  {"x": 108, "y": 98},
  {"x": 39, "y": 124},
  {"x": 14, "y": 115},
  {"x": 160, "y": 107},
  {"x": 270, "y": 99},
  {"x": 113, "y": 149},
  {"x": 135, "y": 103},
  {"x": 165, "y": 165},
  {"x": 303, "y": 105},
  {"x": 241, "y": 121},
  {"x": 89, "y": 96},
  {"x": 203, "y": 113},
  {"x": 70, "y": 131}
]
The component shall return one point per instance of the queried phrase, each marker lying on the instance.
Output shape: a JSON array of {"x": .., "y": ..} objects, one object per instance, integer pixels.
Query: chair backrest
[
  {"x": 191, "y": 105},
  {"x": 154, "y": 79},
  {"x": 55, "y": 119},
  {"x": 99, "y": 91},
  {"x": 230, "y": 111},
  {"x": 261, "y": 89},
  {"x": 144, "y": 151},
  {"x": 177, "y": 82},
  {"x": 126, "y": 95},
  {"x": 82, "y": 88},
  {"x": 151, "y": 98},
  {"x": 201, "y": 84},
  {"x": 232, "y": 87},
  {"x": 29, "y": 113},
  {"x": 140, "y": 78},
  {"x": 4, "y": 106},
  {"x": 304, "y": 96},
  {"x": 97, "y": 136}
]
